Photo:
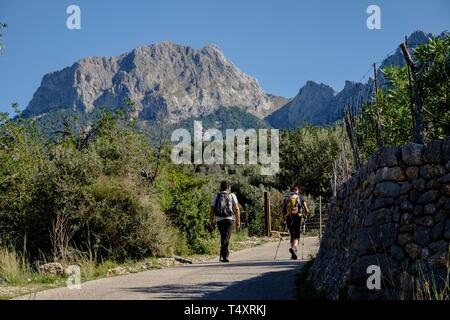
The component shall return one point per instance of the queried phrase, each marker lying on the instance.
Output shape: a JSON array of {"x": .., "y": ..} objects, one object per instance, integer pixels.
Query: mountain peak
[
  {"x": 419, "y": 37},
  {"x": 212, "y": 47},
  {"x": 312, "y": 87},
  {"x": 164, "y": 75}
]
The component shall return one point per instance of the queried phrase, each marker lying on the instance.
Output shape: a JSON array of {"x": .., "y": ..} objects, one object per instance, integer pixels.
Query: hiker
[
  {"x": 225, "y": 212},
  {"x": 294, "y": 208}
]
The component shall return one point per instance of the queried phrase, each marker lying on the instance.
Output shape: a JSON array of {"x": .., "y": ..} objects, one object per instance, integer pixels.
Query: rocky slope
[
  {"x": 320, "y": 104},
  {"x": 182, "y": 80}
]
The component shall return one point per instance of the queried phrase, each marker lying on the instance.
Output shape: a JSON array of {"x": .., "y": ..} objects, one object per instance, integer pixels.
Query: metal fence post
[
  {"x": 268, "y": 221},
  {"x": 320, "y": 217}
]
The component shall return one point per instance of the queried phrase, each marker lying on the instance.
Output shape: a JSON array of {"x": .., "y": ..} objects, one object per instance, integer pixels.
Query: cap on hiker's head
[{"x": 225, "y": 185}]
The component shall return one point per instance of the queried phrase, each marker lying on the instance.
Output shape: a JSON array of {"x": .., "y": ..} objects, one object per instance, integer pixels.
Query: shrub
[{"x": 186, "y": 201}]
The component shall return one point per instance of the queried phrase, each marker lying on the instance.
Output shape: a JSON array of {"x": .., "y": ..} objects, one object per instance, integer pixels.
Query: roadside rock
[
  {"x": 117, "y": 271},
  {"x": 52, "y": 268}
]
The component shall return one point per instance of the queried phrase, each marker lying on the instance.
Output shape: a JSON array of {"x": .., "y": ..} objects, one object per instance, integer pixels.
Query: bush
[
  {"x": 123, "y": 224},
  {"x": 186, "y": 201}
]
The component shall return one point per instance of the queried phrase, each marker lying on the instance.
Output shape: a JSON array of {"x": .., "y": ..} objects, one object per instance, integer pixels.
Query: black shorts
[{"x": 294, "y": 223}]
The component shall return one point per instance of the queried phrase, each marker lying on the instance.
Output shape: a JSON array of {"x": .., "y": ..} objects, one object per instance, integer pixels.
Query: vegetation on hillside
[{"x": 226, "y": 118}]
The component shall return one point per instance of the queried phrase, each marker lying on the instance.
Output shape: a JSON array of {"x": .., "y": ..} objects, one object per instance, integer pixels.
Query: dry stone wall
[{"x": 393, "y": 213}]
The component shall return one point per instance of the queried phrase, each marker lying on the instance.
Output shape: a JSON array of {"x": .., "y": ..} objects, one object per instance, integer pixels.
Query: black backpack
[{"x": 222, "y": 205}]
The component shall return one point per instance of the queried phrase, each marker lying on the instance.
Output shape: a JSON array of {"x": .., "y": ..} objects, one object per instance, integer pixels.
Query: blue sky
[{"x": 282, "y": 43}]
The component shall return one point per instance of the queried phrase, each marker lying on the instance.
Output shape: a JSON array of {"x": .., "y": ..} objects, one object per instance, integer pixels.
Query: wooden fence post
[
  {"x": 349, "y": 126},
  {"x": 411, "y": 95},
  {"x": 377, "y": 104},
  {"x": 320, "y": 217},
  {"x": 418, "y": 102}
]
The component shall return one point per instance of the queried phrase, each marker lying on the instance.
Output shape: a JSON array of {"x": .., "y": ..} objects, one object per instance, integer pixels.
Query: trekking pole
[
  {"x": 279, "y": 243},
  {"x": 303, "y": 236},
  {"x": 281, "y": 239}
]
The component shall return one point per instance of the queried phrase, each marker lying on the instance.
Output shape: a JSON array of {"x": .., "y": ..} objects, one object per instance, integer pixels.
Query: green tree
[
  {"x": 395, "y": 100},
  {"x": 307, "y": 156},
  {"x": 433, "y": 63},
  {"x": 185, "y": 198}
]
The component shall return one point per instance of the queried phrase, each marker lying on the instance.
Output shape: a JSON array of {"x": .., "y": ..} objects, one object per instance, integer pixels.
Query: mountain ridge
[
  {"x": 317, "y": 106},
  {"x": 191, "y": 83}
]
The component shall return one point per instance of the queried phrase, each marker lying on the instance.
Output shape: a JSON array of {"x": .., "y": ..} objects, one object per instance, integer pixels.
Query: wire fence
[
  {"x": 312, "y": 225},
  {"x": 364, "y": 96}
]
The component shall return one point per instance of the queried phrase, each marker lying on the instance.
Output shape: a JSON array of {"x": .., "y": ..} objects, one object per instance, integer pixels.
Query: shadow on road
[
  {"x": 252, "y": 263},
  {"x": 271, "y": 285}
]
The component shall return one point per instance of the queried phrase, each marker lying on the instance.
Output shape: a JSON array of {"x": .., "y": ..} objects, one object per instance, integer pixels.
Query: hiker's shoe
[
  {"x": 293, "y": 254},
  {"x": 224, "y": 260}
]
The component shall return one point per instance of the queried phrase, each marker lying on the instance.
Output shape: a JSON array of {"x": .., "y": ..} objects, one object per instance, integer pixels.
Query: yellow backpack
[{"x": 294, "y": 205}]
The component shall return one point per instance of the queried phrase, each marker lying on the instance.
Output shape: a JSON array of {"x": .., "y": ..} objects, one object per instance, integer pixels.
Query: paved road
[{"x": 252, "y": 274}]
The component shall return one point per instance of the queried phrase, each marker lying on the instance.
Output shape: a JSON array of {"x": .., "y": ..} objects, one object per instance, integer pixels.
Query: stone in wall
[{"x": 395, "y": 213}]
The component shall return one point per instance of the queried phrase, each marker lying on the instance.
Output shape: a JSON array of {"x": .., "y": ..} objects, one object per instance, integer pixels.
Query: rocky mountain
[
  {"x": 181, "y": 80},
  {"x": 194, "y": 83},
  {"x": 310, "y": 104},
  {"x": 319, "y": 104}
]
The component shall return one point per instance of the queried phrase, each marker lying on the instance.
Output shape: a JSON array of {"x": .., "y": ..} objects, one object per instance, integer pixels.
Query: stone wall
[{"x": 394, "y": 213}]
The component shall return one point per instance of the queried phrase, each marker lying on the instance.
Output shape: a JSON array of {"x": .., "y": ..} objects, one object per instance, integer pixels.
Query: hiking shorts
[{"x": 294, "y": 223}]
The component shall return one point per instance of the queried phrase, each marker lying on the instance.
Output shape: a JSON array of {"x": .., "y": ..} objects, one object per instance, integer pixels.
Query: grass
[
  {"x": 18, "y": 276},
  {"x": 15, "y": 269},
  {"x": 426, "y": 288}
]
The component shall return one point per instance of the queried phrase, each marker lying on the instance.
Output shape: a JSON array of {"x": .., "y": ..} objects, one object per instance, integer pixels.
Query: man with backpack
[
  {"x": 225, "y": 212},
  {"x": 294, "y": 208}
]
